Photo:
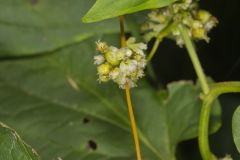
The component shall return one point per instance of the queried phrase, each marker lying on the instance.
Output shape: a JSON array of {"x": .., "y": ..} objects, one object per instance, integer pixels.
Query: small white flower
[
  {"x": 123, "y": 67},
  {"x": 102, "y": 46},
  {"x": 131, "y": 84},
  {"x": 142, "y": 46},
  {"x": 210, "y": 24},
  {"x": 132, "y": 65},
  {"x": 113, "y": 49},
  {"x": 128, "y": 52},
  {"x": 114, "y": 73},
  {"x": 180, "y": 41},
  {"x": 122, "y": 81},
  {"x": 131, "y": 40},
  {"x": 153, "y": 16},
  {"x": 121, "y": 54},
  {"x": 140, "y": 73},
  {"x": 142, "y": 63},
  {"x": 99, "y": 59},
  {"x": 139, "y": 51}
]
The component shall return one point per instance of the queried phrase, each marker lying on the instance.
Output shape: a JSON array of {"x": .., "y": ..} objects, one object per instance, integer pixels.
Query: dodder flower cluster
[
  {"x": 124, "y": 65},
  {"x": 186, "y": 12}
]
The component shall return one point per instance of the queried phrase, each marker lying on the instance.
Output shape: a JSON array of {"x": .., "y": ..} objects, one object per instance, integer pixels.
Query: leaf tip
[{"x": 85, "y": 19}]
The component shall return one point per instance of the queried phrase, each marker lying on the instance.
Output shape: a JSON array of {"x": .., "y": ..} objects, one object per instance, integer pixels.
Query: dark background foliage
[{"x": 220, "y": 60}]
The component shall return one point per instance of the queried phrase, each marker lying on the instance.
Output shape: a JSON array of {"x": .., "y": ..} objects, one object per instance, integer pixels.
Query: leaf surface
[
  {"x": 236, "y": 128},
  {"x": 105, "y": 9},
  {"x": 29, "y": 27}
]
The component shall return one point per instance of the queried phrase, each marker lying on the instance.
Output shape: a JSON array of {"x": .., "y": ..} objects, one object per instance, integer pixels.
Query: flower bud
[
  {"x": 203, "y": 15},
  {"x": 103, "y": 69},
  {"x": 102, "y": 47},
  {"x": 112, "y": 58},
  {"x": 199, "y": 33},
  {"x": 196, "y": 24},
  {"x": 103, "y": 78}
]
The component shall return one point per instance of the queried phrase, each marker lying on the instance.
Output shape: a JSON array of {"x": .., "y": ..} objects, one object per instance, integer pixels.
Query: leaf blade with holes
[
  {"x": 105, "y": 9},
  {"x": 57, "y": 96},
  {"x": 12, "y": 147},
  {"x": 236, "y": 128}
]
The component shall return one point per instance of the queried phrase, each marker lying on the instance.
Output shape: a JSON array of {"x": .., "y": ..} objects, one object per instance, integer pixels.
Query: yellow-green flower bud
[
  {"x": 104, "y": 69},
  {"x": 197, "y": 24},
  {"x": 103, "y": 78},
  {"x": 199, "y": 33},
  {"x": 102, "y": 47},
  {"x": 112, "y": 58},
  {"x": 203, "y": 15}
]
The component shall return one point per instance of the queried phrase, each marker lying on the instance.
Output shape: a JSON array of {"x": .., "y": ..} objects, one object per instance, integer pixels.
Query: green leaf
[
  {"x": 39, "y": 26},
  {"x": 105, "y": 9},
  {"x": 58, "y": 106},
  {"x": 12, "y": 147},
  {"x": 236, "y": 128}
]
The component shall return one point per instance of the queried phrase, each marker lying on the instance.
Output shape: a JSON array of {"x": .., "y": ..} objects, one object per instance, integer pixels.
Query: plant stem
[
  {"x": 216, "y": 90},
  {"x": 203, "y": 131},
  {"x": 128, "y": 96},
  {"x": 159, "y": 39},
  {"x": 123, "y": 37},
  {"x": 194, "y": 58},
  {"x": 207, "y": 102},
  {"x": 133, "y": 123}
]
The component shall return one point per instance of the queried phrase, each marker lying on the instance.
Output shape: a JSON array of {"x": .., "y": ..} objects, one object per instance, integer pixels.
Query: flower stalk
[
  {"x": 128, "y": 96},
  {"x": 195, "y": 60}
]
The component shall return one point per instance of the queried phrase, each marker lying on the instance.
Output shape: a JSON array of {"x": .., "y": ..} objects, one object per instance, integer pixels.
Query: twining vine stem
[
  {"x": 216, "y": 90},
  {"x": 128, "y": 96}
]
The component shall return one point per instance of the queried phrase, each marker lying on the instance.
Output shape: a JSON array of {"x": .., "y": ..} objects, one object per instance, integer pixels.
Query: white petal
[
  {"x": 128, "y": 52},
  {"x": 99, "y": 59},
  {"x": 131, "y": 40},
  {"x": 142, "y": 46}
]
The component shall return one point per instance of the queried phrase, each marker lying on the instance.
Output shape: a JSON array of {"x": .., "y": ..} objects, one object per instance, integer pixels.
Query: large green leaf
[
  {"x": 236, "y": 128},
  {"x": 37, "y": 26},
  {"x": 12, "y": 147},
  {"x": 104, "y": 9},
  {"x": 55, "y": 102}
]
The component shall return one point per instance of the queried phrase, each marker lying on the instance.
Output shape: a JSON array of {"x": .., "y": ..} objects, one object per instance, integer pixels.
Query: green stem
[
  {"x": 194, "y": 58},
  {"x": 207, "y": 102},
  {"x": 203, "y": 130},
  {"x": 159, "y": 39},
  {"x": 154, "y": 49},
  {"x": 216, "y": 90}
]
